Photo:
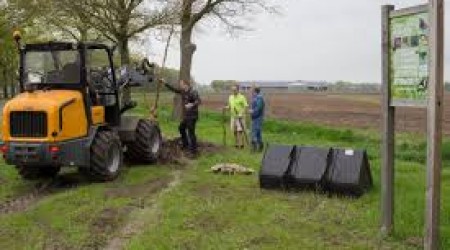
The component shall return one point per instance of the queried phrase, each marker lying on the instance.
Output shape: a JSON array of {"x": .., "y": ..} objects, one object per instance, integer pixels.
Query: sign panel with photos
[{"x": 409, "y": 52}]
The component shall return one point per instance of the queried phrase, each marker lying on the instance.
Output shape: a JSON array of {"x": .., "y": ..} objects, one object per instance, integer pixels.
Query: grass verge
[{"x": 207, "y": 211}]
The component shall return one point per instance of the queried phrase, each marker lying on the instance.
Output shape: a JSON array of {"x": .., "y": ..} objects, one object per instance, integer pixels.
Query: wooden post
[
  {"x": 434, "y": 134},
  {"x": 388, "y": 129}
]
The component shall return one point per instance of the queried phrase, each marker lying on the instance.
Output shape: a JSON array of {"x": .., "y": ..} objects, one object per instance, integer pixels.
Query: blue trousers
[{"x": 257, "y": 131}]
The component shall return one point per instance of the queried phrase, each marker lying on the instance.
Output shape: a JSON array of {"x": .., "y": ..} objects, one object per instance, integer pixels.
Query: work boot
[
  {"x": 254, "y": 147},
  {"x": 192, "y": 154},
  {"x": 183, "y": 146}
]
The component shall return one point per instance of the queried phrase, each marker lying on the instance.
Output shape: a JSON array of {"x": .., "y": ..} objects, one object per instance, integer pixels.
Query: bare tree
[
  {"x": 17, "y": 13},
  {"x": 120, "y": 20},
  {"x": 58, "y": 20},
  {"x": 14, "y": 14},
  {"x": 229, "y": 13}
]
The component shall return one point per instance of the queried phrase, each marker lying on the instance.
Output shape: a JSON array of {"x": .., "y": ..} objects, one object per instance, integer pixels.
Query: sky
[{"x": 327, "y": 40}]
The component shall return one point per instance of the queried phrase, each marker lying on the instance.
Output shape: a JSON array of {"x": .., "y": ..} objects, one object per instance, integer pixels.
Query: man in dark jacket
[
  {"x": 190, "y": 101},
  {"x": 257, "y": 113}
]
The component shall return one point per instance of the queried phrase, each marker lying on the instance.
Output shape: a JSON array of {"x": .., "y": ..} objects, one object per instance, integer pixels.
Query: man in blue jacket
[{"x": 257, "y": 113}]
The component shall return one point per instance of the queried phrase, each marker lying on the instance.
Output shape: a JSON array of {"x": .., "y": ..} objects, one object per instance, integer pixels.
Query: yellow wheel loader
[{"x": 70, "y": 113}]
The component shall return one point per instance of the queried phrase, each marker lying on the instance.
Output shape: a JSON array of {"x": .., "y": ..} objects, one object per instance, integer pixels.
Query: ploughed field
[{"x": 343, "y": 110}]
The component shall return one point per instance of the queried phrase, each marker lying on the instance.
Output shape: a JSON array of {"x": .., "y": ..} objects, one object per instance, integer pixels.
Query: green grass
[
  {"x": 233, "y": 213},
  {"x": 75, "y": 218},
  {"x": 207, "y": 211}
]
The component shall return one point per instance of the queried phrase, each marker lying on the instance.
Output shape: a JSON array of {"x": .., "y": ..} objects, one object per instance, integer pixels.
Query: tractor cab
[{"x": 87, "y": 68}]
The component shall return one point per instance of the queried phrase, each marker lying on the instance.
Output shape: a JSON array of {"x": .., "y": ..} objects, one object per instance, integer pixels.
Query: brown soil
[
  {"x": 40, "y": 191},
  {"x": 172, "y": 153},
  {"x": 210, "y": 148},
  {"x": 111, "y": 221},
  {"x": 261, "y": 241},
  {"x": 108, "y": 222},
  {"x": 54, "y": 239},
  {"x": 145, "y": 189},
  {"x": 358, "y": 111},
  {"x": 415, "y": 242},
  {"x": 208, "y": 191},
  {"x": 143, "y": 218},
  {"x": 206, "y": 222}
]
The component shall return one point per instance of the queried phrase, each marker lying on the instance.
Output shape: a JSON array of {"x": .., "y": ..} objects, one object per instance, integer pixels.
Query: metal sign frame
[{"x": 434, "y": 106}]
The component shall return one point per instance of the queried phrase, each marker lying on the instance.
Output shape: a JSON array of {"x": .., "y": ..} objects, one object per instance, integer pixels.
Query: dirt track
[
  {"x": 42, "y": 190},
  {"x": 359, "y": 111}
]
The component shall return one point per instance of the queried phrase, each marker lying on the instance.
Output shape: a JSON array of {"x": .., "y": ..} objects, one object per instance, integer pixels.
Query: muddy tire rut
[
  {"x": 140, "y": 219},
  {"x": 171, "y": 155},
  {"x": 40, "y": 191}
]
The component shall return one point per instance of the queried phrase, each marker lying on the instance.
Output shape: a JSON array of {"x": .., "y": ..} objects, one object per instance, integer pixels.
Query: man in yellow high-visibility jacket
[{"x": 237, "y": 104}]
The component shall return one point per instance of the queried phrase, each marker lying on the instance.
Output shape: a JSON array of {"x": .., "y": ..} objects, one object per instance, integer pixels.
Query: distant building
[
  {"x": 299, "y": 85},
  {"x": 309, "y": 86},
  {"x": 265, "y": 85}
]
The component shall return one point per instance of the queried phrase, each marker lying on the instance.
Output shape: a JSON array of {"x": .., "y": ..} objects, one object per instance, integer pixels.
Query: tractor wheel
[
  {"x": 146, "y": 148},
  {"x": 36, "y": 173},
  {"x": 106, "y": 157}
]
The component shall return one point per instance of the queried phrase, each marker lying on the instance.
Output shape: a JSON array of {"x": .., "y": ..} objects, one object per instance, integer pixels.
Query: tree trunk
[
  {"x": 125, "y": 60},
  {"x": 5, "y": 91},
  {"x": 12, "y": 83},
  {"x": 124, "y": 51},
  {"x": 12, "y": 89},
  {"x": 5, "y": 85},
  {"x": 83, "y": 34},
  {"x": 187, "y": 53},
  {"x": 187, "y": 49}
]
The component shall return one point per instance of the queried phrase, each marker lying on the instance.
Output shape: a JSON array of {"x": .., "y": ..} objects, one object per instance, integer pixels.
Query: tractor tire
[
  {"x": 147, "y": 146},
  {"x": 106, "y": 157},
  {"x": 35, "y": 173}
]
